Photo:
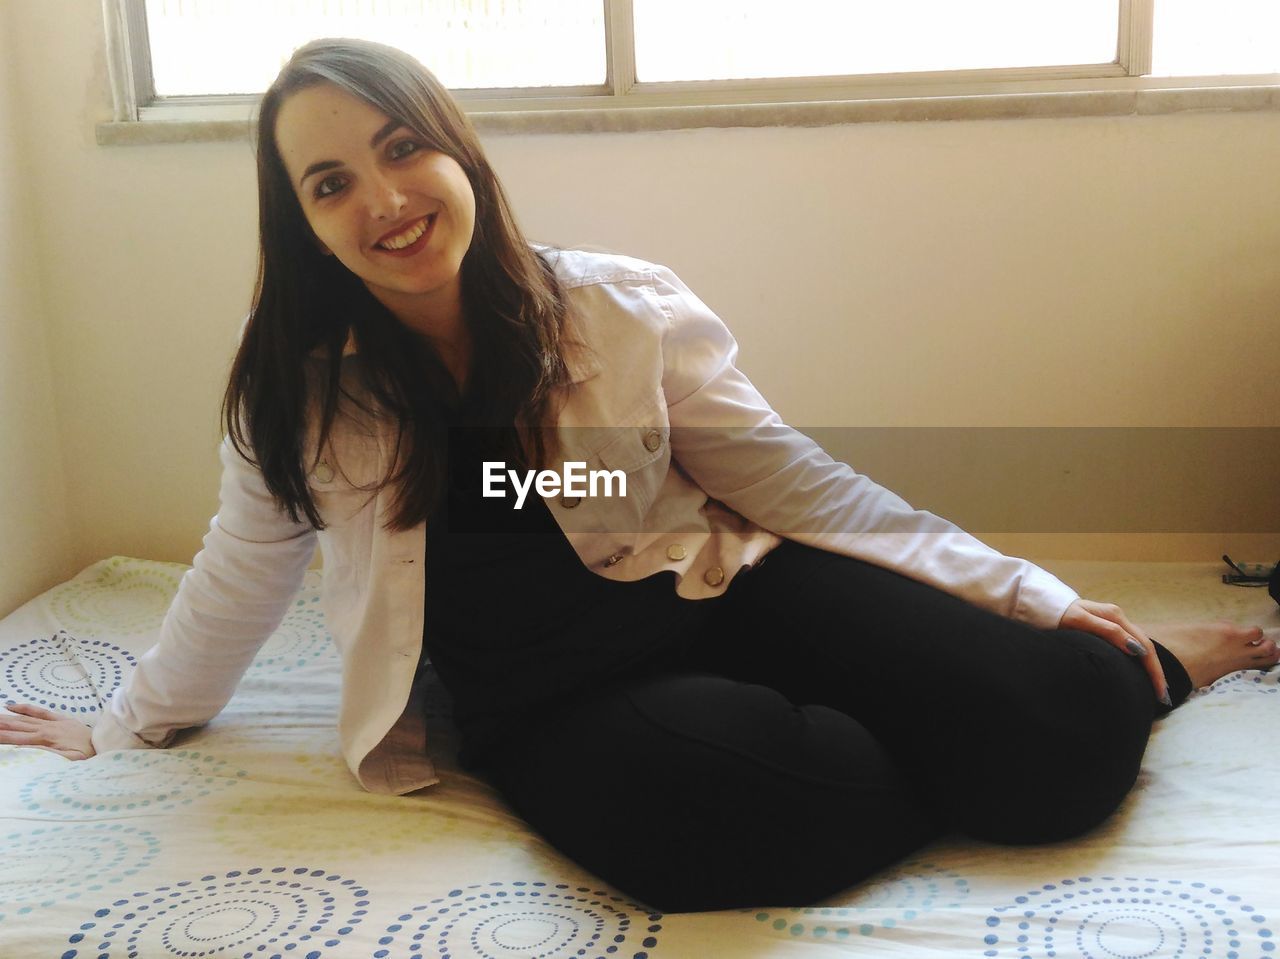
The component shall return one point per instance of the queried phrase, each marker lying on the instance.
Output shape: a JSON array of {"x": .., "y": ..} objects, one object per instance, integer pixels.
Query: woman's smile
[{"x": 406, "y": 242}]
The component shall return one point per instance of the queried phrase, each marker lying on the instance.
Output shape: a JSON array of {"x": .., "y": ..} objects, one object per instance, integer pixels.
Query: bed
[{"x": 249, "y": 838}]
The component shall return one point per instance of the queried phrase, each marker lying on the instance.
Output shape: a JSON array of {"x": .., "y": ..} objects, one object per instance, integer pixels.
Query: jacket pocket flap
[{"x": 635, "y": 447}]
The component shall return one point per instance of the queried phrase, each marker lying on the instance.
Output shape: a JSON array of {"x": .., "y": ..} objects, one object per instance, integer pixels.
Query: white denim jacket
[{"x": 714, "y": 482}]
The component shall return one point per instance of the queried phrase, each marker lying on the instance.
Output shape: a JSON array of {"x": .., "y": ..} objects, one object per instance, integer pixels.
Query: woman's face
[{"x": 395, "y": 212}]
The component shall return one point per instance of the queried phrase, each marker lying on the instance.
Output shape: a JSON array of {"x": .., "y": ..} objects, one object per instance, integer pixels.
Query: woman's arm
[
  {"x": 733, "y": 444},
  {"x": 230, "y": 602}
]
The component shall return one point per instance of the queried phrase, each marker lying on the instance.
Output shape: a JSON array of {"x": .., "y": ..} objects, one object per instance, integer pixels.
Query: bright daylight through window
[
  {"x": 474, "y": 44},
  {"x": 466, "y": 43},
  {"x": 680, "y": 40}
]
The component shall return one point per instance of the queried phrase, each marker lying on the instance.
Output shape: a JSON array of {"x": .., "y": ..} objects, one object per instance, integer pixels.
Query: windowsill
[{"x": 1143, "y": 97}]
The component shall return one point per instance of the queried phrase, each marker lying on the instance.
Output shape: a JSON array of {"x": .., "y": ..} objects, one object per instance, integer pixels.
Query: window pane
[
  {"x": 728, "y": 39},
  {"x": 238, "y": 46},
  {"x": 1201, "y": 38}
]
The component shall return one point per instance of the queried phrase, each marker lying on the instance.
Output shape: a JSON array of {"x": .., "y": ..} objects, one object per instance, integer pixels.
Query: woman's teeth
[{"x": 408, "y": 237}]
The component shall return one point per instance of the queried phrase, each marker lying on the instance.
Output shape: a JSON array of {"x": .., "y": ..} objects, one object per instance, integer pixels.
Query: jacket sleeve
[
  {"x": 228, "y": 604},
  {"x": 730, "y": 441}
]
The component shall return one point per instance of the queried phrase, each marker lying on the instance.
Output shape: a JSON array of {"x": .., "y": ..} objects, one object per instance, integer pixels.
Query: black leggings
[{"x": 835, "y": 717}]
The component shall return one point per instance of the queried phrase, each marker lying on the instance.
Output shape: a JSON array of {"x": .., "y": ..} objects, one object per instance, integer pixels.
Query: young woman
[{"x": 755, "y": 678}]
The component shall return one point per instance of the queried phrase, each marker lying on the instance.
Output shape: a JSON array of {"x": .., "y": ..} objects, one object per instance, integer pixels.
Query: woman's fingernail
[
  {"x": 1164, "y": 698},
  {"x": 1135, "y": 648}
]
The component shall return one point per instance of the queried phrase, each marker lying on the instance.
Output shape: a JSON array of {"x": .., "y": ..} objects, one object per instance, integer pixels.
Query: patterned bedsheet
[{"x": 249, "y": 838}]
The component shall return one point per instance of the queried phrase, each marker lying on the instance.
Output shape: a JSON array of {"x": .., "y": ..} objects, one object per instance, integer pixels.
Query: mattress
[{"x": 249, "y": 837}]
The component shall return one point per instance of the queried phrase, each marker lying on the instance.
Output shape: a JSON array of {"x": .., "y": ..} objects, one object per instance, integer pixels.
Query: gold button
[
  {"x": 569, "y": 502},
  {"x": 652, "y": 440},
  {"x": 714, "y": 576},
  {"x": 676, "y": 552},
  {"x": 323, "y": 472},
  {"x": 613, "y": 560}
]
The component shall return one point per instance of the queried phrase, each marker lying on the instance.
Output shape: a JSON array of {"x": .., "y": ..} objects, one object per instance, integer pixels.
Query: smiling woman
[
  {"x": 732, "y": 646},
  {"x": 359, "y": 151}
]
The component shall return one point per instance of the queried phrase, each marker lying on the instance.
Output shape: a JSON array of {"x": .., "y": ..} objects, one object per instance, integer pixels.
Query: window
[
  {"x": 1216, "y": 37},
  {"x": 497, "y": 44},
  {"x": 170, "y": 58},
  {"x": 468, "y": 44},
  {"x": 679, "y": 40}
]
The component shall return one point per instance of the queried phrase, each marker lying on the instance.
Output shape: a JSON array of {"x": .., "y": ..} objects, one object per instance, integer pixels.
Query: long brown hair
[{"x": 305, "y": 303}]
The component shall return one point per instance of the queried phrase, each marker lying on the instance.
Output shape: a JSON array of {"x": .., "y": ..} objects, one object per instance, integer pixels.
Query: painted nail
[
  {"x": 1166, "y": 700},
  {"x": 1135, "y": 648}
]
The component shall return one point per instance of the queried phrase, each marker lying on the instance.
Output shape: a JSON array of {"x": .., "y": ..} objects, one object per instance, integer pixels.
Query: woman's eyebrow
[{"x": 384, "y": 131}]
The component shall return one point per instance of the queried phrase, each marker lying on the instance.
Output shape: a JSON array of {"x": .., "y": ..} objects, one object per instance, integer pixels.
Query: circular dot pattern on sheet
[
  {"x": 913, "y": 889},
  {"x": 295, "y": 754},
  {"x": 257, "y": 823},
  {"x": 259, "y": 912},
  {"x": 137, "y": 780},
  {"x": 119, "y": 596},
  {"x": 289, "y": 754},
  {"x": 532, "y": 920},
  {"x": 1128, "y": 918},
  {"x": 302, "y": 638},
  {"x": 340, "y": 828},
  {"x": 20, "y": 756},
  {"x": 1250, "y": 682},
  {"x": 61, "y": 863},
  {"x": 64, "y": 673}
]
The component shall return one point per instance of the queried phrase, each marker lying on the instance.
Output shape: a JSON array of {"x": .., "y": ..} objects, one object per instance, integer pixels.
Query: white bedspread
[{"x": 249, "y": 838}]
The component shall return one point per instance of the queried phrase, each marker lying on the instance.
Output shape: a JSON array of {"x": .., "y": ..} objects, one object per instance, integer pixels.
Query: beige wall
[
  {"x": 35, "y": 543},
  {"x": 1069, "y": 272}
]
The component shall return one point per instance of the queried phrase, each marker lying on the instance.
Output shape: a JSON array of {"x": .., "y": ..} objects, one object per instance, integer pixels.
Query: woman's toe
[{"x": 1265, "y": 649}]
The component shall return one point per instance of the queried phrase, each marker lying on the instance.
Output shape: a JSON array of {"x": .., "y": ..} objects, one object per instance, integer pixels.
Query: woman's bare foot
[{"x": 1209, "y": 651}]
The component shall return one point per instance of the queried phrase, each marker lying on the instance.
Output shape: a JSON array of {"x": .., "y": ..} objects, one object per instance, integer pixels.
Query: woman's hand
[
  {"x": 34, "y": 726},
  {"x": 1109, "y": 621}
]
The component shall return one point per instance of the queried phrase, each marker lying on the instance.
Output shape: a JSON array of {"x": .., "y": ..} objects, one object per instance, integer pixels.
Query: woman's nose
[{"x": 386, "y": 202}]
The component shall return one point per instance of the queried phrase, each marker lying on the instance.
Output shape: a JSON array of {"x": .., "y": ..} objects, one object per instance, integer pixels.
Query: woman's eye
[
  {"x": 328, "y": 186},
  {"x": 403, "y": 149}
]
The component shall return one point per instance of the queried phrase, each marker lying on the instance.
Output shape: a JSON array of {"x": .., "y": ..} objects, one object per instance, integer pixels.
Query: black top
[{"x": 514, "y": 621}]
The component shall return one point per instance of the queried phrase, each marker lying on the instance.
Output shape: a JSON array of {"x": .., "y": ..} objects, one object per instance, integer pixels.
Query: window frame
[
  {"x": 135, "y": 99},
  {"x": 623, "y": 104}
]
